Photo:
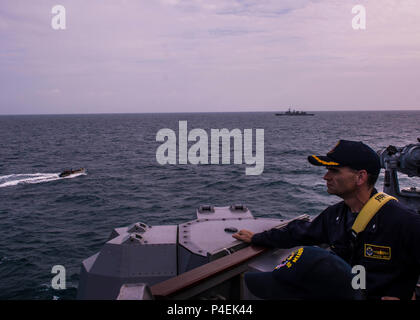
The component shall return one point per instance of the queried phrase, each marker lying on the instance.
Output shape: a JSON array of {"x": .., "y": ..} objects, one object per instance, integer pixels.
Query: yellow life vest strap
[{"x": 369, "y": 210}]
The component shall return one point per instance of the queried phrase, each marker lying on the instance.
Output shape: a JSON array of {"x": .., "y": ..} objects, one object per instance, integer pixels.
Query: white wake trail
[{"x": 15, "y": 179}]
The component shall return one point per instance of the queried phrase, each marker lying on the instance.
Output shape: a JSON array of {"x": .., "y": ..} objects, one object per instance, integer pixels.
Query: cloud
[
  {"x": 239, "y": 7},
  {"x": 49, "y": 92},
  {"x": 197, "y": 55}
]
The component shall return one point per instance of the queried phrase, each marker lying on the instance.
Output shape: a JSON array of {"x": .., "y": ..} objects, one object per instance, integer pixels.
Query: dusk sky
[{"x": 130, "y": 56}]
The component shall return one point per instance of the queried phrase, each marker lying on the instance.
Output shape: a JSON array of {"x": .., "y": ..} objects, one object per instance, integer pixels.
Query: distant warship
[{"x": 294, "y": 113}]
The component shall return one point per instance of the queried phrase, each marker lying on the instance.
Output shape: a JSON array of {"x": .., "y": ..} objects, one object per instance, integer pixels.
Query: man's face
[{"x": 341, "y": 181}]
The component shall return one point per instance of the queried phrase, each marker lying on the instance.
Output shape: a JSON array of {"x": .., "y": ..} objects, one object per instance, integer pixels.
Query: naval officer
[{"x": 385, "y": 239}]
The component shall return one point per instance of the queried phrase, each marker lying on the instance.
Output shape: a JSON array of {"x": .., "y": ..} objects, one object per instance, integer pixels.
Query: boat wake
[{"x": 15, "y": 179}]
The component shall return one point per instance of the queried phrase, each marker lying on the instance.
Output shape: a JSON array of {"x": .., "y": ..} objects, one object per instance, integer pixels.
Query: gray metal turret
[{"x": 150, "y": 254}]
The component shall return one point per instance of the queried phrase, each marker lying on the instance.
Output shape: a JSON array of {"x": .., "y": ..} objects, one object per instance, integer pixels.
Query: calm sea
[{"x": 46, "y": 220}]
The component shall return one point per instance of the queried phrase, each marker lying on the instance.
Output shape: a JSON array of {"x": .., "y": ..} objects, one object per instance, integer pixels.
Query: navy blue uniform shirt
[{"x": 389, "y": 247}]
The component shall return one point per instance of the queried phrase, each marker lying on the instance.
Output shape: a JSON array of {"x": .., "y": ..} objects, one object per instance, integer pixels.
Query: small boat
[
  {"x": 294, "y": 113},
  {"x": 67, "y": 173}
]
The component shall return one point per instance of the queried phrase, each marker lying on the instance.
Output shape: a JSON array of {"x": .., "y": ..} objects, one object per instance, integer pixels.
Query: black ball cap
[
  {"x": 353, "y": 154},
  {"x": 309, "y": 273}
]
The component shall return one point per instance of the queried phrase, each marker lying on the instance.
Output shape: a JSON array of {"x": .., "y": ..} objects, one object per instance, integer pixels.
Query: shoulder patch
[
  {"x": 291, "y": 259},
  {"x": 377, "y": 252}
]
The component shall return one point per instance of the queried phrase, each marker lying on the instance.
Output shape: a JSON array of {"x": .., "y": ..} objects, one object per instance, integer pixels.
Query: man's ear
[{"x": 362, "y": 177}]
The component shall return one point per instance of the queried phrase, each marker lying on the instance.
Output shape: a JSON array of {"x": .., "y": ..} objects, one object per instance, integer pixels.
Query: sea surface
[{"x": 46, "y": 220}]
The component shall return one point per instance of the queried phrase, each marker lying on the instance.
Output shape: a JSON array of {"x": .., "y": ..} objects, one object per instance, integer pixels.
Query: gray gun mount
[
  {"x": 143, "y": 254},
  {"x": 405, "y": 160}
]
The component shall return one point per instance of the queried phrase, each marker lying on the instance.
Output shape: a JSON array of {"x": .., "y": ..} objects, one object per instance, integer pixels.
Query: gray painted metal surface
[
  {"x": 150, "y": 254},
  {"x": 135, "y": 291},
  {"x": 129, "y": 257},
  {"x": 204, "y": 236}
]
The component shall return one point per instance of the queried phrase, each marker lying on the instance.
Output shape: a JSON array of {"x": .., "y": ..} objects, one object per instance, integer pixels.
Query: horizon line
[{"x": 193, "y": 112}]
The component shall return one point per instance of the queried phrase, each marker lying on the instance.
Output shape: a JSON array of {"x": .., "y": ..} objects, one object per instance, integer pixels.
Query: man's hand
[
  {"x": 244, "y": 235},
  {"x": 395, "y": 298}
]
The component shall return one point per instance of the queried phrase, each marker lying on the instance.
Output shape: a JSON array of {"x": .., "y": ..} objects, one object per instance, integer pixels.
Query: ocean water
[{"x": 46, "y": 220}]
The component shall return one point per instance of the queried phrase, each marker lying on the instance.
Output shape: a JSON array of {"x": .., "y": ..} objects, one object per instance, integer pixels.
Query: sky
[{"x": 135, "y": 56}]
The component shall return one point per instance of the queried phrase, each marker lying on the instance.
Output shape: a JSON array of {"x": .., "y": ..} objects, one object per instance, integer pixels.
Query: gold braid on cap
[{"x": 326, "y": 163}]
